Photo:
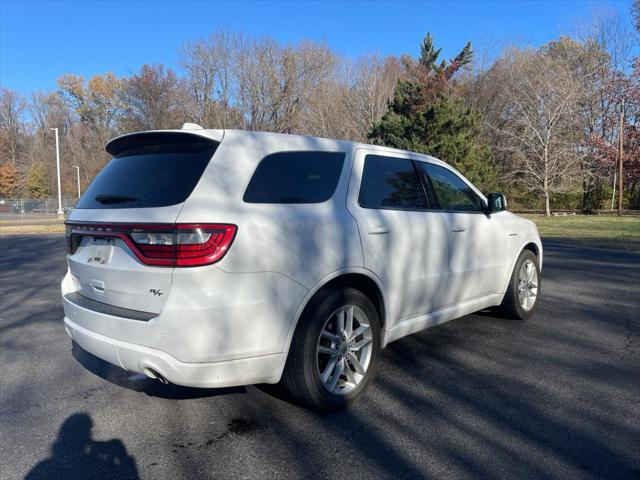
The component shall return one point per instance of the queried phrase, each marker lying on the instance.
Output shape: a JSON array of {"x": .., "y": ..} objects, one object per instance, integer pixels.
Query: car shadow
[{"x": 140, "y": 383}]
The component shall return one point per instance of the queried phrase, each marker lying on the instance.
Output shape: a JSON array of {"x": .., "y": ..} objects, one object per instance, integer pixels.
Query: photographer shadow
[{"x": 75, "y": 454}]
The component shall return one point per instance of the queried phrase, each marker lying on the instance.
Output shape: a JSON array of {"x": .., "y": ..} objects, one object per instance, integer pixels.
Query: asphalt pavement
[{"x": 479, "y": 397}]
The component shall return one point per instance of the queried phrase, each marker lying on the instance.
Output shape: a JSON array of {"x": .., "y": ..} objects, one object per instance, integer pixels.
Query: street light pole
[
  {"x": 78, "y": 170},
  {"x": 60, "y": 212}
]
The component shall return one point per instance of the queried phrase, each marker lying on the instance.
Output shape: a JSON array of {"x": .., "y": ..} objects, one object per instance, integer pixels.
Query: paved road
[{"x": 555, "y": 397}]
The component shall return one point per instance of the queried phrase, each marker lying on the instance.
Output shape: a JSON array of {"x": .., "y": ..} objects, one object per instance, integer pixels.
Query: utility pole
[
  {"x": 60, "y": 212},
  {"x": 613, "y": 195},
  {"x": 78, "y": 171},
  {"x": 620, "y": 153}
]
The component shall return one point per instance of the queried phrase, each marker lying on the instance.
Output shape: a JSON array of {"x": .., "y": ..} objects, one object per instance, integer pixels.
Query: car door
[
  {"x": 476, "y": 241},
  {"x": 401, "y": 238}
]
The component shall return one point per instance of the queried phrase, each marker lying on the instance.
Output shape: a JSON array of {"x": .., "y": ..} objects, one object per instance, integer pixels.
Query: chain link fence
[{"x": 26, "y": 208}]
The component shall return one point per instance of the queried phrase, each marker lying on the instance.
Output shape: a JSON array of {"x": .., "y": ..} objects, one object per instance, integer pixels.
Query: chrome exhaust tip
[{"x": 155, "y": 375}]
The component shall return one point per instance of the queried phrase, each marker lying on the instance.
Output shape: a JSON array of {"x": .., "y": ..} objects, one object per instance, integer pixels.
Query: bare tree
[
  {"x": 12, "y": 109},
  {"x": 212, "y": 79},
  {"x": 253, "y": 83},
  {"x": 96, "y": 109},
  {"x": 153, "y": 99},
  {"x": 258, "y": 84},
  {"x": 537, "y": 121},
  {"x": 48, "y": 110},
  {"x": 352, "y": 98},
  {"x": 591, "y": 65},
  {"x": 374, "y": 82},
  {"x": 326, "y": 114},
  {"x": 276, "y": 83}
]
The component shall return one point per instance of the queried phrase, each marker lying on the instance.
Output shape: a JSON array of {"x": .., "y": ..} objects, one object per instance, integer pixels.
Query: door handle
[
  {"x": 458, "y": 228},
  {"x": 378, "y": 230}
]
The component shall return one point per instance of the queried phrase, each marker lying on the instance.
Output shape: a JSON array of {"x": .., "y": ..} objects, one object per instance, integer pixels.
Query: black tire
[
  {"x": 301, "y": 377},
  {"x": 510, "y": 306}
]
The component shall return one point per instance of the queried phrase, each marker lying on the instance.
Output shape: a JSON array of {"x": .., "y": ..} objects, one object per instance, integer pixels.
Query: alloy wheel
[
  {"x": 527, "y": 285},
  {"x": 344, "y": 349}
]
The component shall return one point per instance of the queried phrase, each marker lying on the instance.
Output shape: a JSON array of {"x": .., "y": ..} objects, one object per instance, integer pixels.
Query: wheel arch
[
  {"x": 531, "y": 246},
  {"x": 361, "y": 279},
  {"x": 535, "y": 247}
]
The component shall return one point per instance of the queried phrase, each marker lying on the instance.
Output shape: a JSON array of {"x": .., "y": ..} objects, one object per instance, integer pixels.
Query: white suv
[{"x": 213, "y": 258}]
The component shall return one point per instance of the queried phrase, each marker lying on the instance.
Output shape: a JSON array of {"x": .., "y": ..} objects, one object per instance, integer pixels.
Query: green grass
[
  {"x": 31, "y": 229},
  {"x": 596, "y": 230}
]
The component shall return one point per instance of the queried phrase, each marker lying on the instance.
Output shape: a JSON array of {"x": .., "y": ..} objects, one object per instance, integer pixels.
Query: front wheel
[
  {"x": 521, "y": 298},
  {"x": 335, "y": 350}
]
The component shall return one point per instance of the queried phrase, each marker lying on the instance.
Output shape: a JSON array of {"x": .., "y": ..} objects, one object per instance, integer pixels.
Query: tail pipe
[{"x": 149, "y": 372}]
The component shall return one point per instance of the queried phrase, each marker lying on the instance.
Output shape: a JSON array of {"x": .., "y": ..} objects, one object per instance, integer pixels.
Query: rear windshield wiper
[{"x": 108, "y": 199}]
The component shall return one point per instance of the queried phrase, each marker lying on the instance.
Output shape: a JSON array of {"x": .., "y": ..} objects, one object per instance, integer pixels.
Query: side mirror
[{"x": 496, "y": 202}]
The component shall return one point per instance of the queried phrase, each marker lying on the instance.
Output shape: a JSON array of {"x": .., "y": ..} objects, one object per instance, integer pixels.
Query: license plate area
[
  {"x": 100, "y": 250},
  {"x": 107, "y": 271}
]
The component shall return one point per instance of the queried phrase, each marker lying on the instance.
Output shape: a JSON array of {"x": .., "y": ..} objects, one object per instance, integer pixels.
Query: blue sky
[{"x": 41, "y": 40}]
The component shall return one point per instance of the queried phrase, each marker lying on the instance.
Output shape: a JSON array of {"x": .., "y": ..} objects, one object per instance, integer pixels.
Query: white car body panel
[
  {"x": 473, "y": 251},
  {"x": 232, "y": 323},
  {"x": 117, "y": 277},
  {"x": 402, "y": 247},
  {"x": 300, "y": 230}
]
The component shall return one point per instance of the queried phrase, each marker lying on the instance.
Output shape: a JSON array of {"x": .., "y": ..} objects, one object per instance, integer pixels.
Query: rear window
[
  {"x": 153, "y": 171},
  {"x": 295, "y": 177}
]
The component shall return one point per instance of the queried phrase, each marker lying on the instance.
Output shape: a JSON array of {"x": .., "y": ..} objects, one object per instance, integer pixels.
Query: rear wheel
[
  {"x": 521, "y": 298},
  {"x": 335, "y": 349}
]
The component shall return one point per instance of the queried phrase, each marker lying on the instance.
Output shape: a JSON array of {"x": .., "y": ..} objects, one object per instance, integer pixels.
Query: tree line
[{"x": 543, "y": 125}]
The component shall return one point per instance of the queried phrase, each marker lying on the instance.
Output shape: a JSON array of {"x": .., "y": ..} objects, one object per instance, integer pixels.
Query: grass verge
[
  {"x": 31, "y": 229},
  {"x": 28, "y": 220},
  {"x": 622, "y": 233}
]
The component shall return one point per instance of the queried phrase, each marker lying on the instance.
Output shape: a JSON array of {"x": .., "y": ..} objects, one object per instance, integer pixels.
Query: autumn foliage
[{"x": 540, "y": 124}]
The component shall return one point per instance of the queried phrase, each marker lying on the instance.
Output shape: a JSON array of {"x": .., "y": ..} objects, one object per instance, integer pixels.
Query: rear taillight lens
[{"x": 179, "y": 245}]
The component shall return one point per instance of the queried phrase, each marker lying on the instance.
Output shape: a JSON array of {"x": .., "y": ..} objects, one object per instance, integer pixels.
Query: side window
[
  {"x": 451, "y": 192},
  {"x": 391, "y": 183},
  {"x": 295, "y": 177}
]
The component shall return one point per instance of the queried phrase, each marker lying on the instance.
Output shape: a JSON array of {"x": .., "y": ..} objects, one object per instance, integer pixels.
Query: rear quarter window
[
  {"x": 295, "y": 177},
  {"x": 154, "y": 171}
]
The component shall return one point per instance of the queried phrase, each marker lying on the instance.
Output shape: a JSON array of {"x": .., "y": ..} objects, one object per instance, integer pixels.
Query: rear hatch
[{"x": 122, "y": 237}]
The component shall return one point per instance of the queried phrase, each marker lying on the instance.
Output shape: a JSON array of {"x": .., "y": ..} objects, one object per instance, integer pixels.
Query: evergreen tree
[
  {"x": 37, "y": 184},
  {"x": 426, "y": 115}
]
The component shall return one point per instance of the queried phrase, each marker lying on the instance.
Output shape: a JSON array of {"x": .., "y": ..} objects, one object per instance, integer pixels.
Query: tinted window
[
  {"x": 390, "y": 183},
  {"x": 149, "y": 175},
  {"x": 451, "y": 192},
  {"x": 295, "y": 177}
]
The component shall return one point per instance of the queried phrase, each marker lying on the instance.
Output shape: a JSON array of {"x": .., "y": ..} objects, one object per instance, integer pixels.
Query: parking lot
[{"x": 554, "y": 397}]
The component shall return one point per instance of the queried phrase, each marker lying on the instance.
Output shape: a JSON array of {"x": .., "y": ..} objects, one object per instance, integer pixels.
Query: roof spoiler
[
  {"x": 191, "y": 126},
  {"x": 135, "y": 141}
]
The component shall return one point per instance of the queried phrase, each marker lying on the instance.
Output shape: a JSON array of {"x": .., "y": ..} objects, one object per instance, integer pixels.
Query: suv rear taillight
[{"x": 176, "y": 245}]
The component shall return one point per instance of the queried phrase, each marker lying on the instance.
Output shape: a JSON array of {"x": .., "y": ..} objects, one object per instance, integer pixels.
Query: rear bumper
[
  {"x": 215, "y": 329},
  {"x": 141, "y": 359}
]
